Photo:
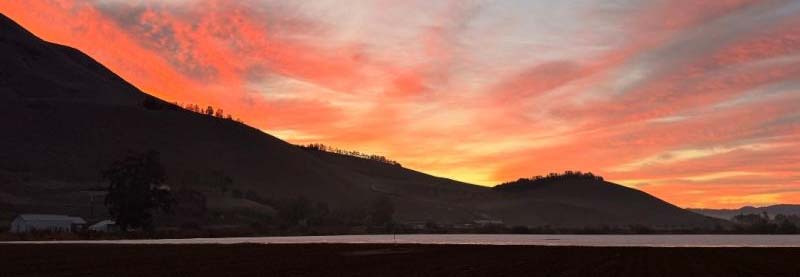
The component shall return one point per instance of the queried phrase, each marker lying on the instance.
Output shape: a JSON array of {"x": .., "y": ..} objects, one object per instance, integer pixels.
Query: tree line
[
  {"x": 155, "y": 104},
  {"x": 329, "y": 149},
  {"x": 764, "y": 224},
  {"x": 209, "y": 111}
]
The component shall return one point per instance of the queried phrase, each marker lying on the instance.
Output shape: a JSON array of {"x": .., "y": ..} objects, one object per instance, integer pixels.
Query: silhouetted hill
[
  {"x": 575, "y": 199},
  {"x": 785, "y": 209},
  {"x": 33, "y": 69},
  {"x": 66, "y": 117}
]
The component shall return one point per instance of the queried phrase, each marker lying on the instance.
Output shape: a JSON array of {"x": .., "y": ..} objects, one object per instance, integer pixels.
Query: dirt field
[{"x": 389, "y": 260}]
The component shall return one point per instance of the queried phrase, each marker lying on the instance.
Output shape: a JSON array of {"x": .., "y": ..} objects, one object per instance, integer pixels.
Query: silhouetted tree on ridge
[
  {"x": 209, "y": 111},
  {"x": 527, "y": 183},
  {"x": 325, "y": 148}
]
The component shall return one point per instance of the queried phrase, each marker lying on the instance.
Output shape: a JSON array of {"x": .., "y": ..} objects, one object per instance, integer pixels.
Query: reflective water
[{"x": 547, "y": 240}]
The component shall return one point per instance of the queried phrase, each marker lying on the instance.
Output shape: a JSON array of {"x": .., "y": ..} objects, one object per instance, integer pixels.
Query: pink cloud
[{"x": 426, "y": 89}]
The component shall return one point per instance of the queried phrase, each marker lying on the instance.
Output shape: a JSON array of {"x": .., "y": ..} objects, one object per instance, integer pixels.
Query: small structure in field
[
  {"x": 104, "y": 226},
  {"x": 26, "y": 223}
]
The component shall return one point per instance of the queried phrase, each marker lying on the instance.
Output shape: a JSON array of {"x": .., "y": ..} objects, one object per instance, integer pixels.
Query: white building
[
  {"x": 25, "y": 223},
  {"x": 104, "y": 226}
]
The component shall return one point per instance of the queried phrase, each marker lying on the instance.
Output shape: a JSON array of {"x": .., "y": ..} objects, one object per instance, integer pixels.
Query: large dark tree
[
  {"x": 381, "y": 212},
  {"x": 295, "y": 211},
  {"x": 135, "y": 189}
]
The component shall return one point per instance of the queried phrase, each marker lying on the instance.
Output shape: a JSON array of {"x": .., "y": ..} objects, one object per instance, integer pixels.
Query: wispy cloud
[{"x": 694, "y": 101}]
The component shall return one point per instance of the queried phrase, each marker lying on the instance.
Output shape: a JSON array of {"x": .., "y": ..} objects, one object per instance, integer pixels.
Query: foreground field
[{"x": 390, "y": 260}]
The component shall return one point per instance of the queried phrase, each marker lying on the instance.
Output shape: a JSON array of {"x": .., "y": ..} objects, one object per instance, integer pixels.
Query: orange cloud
[{"x": 693, "y": 101}]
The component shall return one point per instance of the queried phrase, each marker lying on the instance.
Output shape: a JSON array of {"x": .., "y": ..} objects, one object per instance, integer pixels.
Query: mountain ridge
[
  {"x": 771, "y": 210},
  {"x": 72, "y": 117}
]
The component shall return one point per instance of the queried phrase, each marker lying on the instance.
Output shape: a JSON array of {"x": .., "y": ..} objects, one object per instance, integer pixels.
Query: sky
[{"x": 696, "y": 102}]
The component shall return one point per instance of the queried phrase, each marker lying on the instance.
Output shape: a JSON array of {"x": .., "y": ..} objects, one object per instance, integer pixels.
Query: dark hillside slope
[
  {"x": 31, "y": 68},
  {"x": 65, "y": 118},
  {"x": 68, "y": 117},
  {"x": 578, "y": 200}
]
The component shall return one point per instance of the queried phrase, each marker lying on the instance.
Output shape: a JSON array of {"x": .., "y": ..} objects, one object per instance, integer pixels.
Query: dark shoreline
[{"x": 390, "y": 260}]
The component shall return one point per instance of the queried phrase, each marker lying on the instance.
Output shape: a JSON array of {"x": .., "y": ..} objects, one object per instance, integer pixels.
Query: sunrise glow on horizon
[{"x": 696, "y": 102}]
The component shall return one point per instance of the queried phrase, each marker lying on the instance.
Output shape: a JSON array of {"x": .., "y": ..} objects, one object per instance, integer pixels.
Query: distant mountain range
[
  {"x": 66, "y": 117},
  {"x": 785, "y": 209}
]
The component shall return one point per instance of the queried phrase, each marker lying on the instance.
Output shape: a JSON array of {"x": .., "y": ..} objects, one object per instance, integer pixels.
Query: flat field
[{"x": 390, "y": 260}]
